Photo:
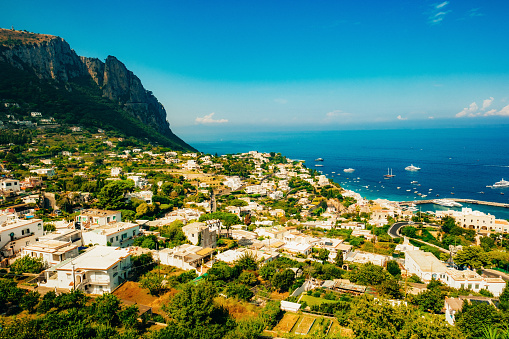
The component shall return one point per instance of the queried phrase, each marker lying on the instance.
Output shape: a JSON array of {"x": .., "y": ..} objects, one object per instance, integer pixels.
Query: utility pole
[{"x": 73, "y": 277}]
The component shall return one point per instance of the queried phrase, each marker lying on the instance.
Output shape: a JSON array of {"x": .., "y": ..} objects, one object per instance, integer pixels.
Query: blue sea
[{"x": 454, "y": 162}]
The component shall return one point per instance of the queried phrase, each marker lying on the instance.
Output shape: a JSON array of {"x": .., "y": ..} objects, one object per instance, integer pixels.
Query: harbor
[{"x": 466, "y": 201}]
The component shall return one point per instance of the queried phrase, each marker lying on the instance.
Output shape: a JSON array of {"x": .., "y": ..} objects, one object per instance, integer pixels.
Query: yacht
[
  {"x": 349, "y": 170},
  {"x": 318, "y": 165},
  {"x": 413, "y": 182},
  {"x": 500, "y": 184},
  {"x": 446, "y": 203},
  {"x": 412, "y": 168},
  {"x": 388, "y": 176},
  {"x": 319, "y": 159}
]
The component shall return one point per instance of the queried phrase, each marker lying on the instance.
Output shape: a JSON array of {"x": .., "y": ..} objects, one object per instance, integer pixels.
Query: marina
[{"x": 466, "y": 201}]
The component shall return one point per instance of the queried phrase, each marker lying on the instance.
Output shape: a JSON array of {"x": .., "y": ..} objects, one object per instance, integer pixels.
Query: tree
[
  {"x": 283, "y": 280},
  {"x": 29, "y": 301},
  {"x": 338, "y": 260},
  {"x": 240, "y": 291},
  {"x": 267, "y": 270},
  {"x": 390, "y": 288},
  {"x": 471, "y": 256},
  {"x": 128, "y": 316},
  {"x": 27, "y": 264},
  {"x": 393, "y": 268},
  {"x": 153, "y": 282},
  {"x": 194, "y": 312},
  {"x": 474, "y": 317},
  {"x": 431, "y": 300},
  {"x": 105, "y": 308},
  {"x": 248, "y": 278},
  {"x": 504, "y": 297},
  {"x": 111, "y": 196},
  {"x": 247, "y": 261},
  {"x": 448, "y": 223},
  {"x": 323, "y": 255},
  {"x": 368, "y": 274}
]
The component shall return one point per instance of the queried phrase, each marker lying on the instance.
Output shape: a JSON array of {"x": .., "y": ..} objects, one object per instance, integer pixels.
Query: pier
[{"x": 466, "y": 201}]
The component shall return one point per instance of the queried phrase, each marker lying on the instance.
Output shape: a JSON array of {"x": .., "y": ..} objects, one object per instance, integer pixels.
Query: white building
[
  {"x": 198, "y": 233},
  {"x": 425, "y": 265},
  {"x": 10, "y": 185},
  {"x": 470, "y": 280},
  {"x": 113, "y": 234},
  {"x": 98, "y": 217},
  {"x": 366, "y": 257},
  {"x": 234, "y": 183},
  {"x": 51, "y": 251},
  {"x": 100, "y": 269},
  {"x": 298, "y": 248},
  {"x": 49, "y": 172},
  {"x": 139, "y": 181},
  {"x": 476, "y": 220},
  {"x": 185, "y": 257},
  {"x": 115, "y": 171},
  {"x": 16, "y": 234}
]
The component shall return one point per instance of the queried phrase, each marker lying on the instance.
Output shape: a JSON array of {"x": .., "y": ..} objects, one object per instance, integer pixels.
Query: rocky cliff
[{"x": 51, "y": 58}]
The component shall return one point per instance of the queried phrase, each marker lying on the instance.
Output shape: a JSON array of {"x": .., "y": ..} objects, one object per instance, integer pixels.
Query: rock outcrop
[{"x": 51, "y": 58}]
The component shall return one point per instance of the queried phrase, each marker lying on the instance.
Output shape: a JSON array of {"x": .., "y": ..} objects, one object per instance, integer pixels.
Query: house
[
  {"x": 289, "y": 306},
  {"x": 234, "y": 183},
  {"x": 63, "y": 234},
  {"x": 10, "y": 185},
  {"x": 454, "y": 305},
  {"x": 298, "y": 248},
  {"x": 231, "y": 256},
  {"x": 119, "y": 234},
  {"x": 470, "y": 280},
  {"x": 36, "y": 114},
  {"x": 139, "y": 181},
  {"x": 425, "y": 265},
  {"x": 16, "y": 234},
  {"x": 198, "y": 233},
  {"x": 361, "y": 257},
  {"x": 115, "y": 171},
  {"x": 146, "y": 196},
  {"x": 185, "y": 257},
  {"x": 98, "y": 217},
  {"x": 51, "y": 251},
  {"x": 100, "y": 269},
  {"x": 49, "y": 172}
]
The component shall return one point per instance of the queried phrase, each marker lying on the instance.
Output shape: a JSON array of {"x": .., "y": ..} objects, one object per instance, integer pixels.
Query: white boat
[
  {"x": 413, "y": 182},
  {"x": 446, "y": 203},
  {"x": 318, "y": 165},
  {"x": 412, "y": 168},
  {"x": 349, "y": 170},
  {"x": 318, "y": 159},
  {"x": 500, "y": 184}
]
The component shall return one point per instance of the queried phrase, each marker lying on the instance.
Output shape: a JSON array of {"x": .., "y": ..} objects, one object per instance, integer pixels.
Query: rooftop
[
  {"x": 97, "y": 258},
  {"x": 113, "y": 227},
  {"x": 427, "y": 261}
]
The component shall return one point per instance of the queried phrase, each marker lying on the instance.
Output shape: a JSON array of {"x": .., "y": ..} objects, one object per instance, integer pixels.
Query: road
[{"x": 394, "y": 232}]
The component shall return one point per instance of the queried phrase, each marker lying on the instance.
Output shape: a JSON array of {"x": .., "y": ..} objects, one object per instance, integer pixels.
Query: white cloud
[
  {"x": 399, "y": 117},
  {"x": 504, "y": 112},
  {"x": 431, "y": 118},
  {"x": 438, "y": 13},
  {"x": 445, "y": 3},
  {"x": 337, "y": 113},
  {"x": 209, "y": 120},
  {"x": 487, "y": 103},
  {"x": 470, "y": 110},
  {"x": 280, "y": 100}
]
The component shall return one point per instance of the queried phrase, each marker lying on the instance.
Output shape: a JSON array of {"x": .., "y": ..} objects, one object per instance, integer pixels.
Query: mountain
[{"x": 44, "y": 70}]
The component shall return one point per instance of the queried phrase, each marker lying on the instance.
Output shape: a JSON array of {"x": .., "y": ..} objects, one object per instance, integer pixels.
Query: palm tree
[{"x": 492, "y": 333}]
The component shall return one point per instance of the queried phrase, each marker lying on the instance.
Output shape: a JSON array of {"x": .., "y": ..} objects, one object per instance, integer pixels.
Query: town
[{"x": 160, "y": 236}]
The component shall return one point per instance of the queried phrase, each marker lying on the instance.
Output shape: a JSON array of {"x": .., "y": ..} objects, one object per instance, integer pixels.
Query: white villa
[
  {"x": 16, "y": 234},
  {"x": 101, "y": 269},
  {"x": 98, "y": 217},
  {"x": 113, "y": 234}
]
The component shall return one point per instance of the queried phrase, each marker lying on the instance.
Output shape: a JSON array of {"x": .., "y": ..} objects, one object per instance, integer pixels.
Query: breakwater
[{"x": 466, "y": 201}]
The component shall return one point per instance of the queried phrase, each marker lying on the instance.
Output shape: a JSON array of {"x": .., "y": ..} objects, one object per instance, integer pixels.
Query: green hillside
[{"x": 81, "y": 103}]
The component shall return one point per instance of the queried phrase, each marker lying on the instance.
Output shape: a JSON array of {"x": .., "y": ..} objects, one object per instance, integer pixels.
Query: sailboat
[{"x": 388, "y": 176}]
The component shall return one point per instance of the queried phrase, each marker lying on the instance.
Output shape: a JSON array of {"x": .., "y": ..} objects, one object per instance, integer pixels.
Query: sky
[{"x": 297, "y": 65}]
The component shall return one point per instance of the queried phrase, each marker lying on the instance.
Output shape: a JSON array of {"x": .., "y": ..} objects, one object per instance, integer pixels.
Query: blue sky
[{"x": 268, "y": 65}]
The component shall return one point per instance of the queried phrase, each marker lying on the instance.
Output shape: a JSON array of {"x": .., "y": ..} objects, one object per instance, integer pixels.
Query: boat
[
  {"x": 414, "y": 182},
  {"x": 388, "y": 176},
  {"x": 412, "y": 168},
  {"x": 349, "y": 170},
  {"x": 500, "y": 184},
  {"x": 318, "y": 165},
  {"x": 446, "y": 202},
  {"x": 398, "y": 188},
  {"x": 319, "y": 159},
  {"x": 424, "y": 195}
]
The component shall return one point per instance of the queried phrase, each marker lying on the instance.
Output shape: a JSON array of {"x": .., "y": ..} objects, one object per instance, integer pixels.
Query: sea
[{"x": 454, "y": 162}]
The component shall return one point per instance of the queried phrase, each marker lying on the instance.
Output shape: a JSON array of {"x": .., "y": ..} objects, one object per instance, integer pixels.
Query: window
[
  {"x": 111, "y": 239},
  {"x": 476, "y": 286},
  {"x": 462, "y": 286},
  {"x": 116, "y": 238},
  {"x": 469, "y": 286},
  {"x": 124, "y": 235},
  {"x": 114, "y": 268},
  {"x": 115, "y": 274}
]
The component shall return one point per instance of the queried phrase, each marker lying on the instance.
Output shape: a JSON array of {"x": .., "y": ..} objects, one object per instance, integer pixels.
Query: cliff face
[
  {"x": 123, "y": 87},
  {"x": 51, "y": 58}
]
